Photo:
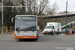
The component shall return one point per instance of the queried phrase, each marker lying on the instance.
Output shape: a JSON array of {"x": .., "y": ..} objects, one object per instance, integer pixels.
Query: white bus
[{"x": 26, "y": 27}]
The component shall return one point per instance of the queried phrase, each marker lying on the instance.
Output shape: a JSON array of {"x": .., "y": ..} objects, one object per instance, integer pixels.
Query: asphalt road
[{"x": 45, "y": 42}]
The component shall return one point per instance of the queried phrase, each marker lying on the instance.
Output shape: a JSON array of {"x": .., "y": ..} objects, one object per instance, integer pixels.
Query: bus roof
[{"x": 25, "y": 15}]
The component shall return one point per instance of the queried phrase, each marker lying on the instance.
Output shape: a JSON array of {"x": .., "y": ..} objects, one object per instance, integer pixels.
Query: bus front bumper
[{"x": 25, "y": 37}]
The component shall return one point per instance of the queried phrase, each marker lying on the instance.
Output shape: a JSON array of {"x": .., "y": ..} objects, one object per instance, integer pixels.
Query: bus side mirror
[
  {"x": 12, "y": 19},
  {"x": 38, "y": 28}
]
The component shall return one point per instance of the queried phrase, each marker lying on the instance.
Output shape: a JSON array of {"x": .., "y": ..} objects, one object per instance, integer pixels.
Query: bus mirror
[
  {"x": 12, "y": 19},
  {"x": 38, "y": 28}
]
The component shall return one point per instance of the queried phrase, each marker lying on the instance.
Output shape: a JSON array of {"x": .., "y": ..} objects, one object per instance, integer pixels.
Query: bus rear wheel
[
  {"x": 35, "y": 39},
  {"x": 20, "y": 39}
]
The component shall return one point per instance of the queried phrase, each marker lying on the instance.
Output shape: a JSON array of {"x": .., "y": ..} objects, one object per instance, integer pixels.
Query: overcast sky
[{"x": 62, "y": 5}]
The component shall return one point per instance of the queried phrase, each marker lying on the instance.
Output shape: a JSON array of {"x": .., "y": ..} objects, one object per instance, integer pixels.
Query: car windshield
[
  {"x": 72, "y": 29},
  {"x": 48, "y": 27},
  {"x": 25, "y": 25}
]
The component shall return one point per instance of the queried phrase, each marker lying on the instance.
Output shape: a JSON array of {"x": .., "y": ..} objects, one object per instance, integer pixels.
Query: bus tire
[
  {"x": 35, "y": 39},
  {"x": 19, "y": 39},
  {"x": 57, "y": 33}
]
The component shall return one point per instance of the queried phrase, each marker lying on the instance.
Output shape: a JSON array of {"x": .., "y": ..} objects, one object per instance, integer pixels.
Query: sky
[{"x": 62, "y": 5}]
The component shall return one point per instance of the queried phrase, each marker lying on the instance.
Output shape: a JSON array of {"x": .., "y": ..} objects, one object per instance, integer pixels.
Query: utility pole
[
  {"x": 2, "y": 15},
  {"x": 66, "y": 17}
]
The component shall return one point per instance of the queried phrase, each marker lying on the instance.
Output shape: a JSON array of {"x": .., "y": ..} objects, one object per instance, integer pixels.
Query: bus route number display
[{"x": 25, "y": 18}]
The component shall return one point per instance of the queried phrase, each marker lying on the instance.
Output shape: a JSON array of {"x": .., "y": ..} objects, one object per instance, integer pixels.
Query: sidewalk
[{"x": 7, "y": 33}]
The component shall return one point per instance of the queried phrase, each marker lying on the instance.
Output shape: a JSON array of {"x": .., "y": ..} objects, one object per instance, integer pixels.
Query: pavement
[{"x": 45, "y": 42}]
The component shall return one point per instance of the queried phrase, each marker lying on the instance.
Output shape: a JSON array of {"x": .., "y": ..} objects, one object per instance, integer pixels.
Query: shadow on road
[
  {"x": 26, "y": 40},
  {"x": 48, "y": 38}
]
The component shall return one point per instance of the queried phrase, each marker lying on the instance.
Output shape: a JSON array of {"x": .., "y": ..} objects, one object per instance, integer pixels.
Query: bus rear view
[{"x": 26, "y": 27}]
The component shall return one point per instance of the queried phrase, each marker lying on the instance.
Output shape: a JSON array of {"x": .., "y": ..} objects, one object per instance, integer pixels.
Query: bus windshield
[
  {"x": 25, "y": 25},
  {"x": 48, "y": 27}
]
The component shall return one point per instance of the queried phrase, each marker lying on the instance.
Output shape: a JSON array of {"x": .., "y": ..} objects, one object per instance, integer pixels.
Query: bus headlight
[
  {"x": 35, "y": 34},
  {"x": 16, "y": 34}
]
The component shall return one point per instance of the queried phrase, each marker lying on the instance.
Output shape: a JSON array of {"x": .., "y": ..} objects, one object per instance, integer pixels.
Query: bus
[{"x": 26, "y": 27}]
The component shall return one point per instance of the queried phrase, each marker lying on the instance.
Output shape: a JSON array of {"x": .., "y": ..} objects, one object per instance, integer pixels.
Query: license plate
[{"x": 25, "y": 37}]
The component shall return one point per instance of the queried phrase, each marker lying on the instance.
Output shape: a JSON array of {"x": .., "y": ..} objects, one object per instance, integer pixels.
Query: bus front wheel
[
  {"x": 57, "y": 33},
  {"x": 35, "y": 39}
]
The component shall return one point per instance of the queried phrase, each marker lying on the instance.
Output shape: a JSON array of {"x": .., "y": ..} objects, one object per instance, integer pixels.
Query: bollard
[
  {"x": 6, "y": 30},
  {"x": 13, "y": 31}
]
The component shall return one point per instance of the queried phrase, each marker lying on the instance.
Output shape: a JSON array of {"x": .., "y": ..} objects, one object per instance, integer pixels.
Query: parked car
[{"x": 63, "y": 30}]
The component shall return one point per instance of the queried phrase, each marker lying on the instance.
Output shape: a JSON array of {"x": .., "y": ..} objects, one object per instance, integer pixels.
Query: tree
[
  {"x": 36, "y": 7},
  {"x": 29, "y": 4},
  {"x": 42, "y": 23},
  {"x": 42, "y": 5},
  {"x": 52, "y": 10},
  {"x": 0, "y": 1},
  {"x": 8, "y": 14},
  {"x": 22, "y": 10}
]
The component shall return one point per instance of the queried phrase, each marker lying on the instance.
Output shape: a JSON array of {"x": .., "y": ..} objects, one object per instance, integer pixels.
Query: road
[{"x": 45, "y": 42}]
